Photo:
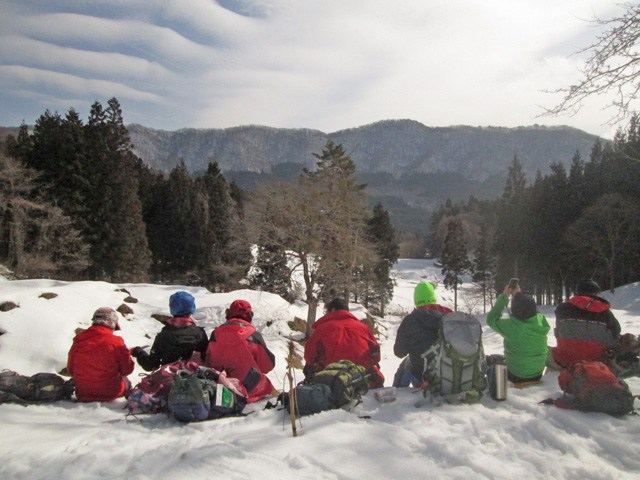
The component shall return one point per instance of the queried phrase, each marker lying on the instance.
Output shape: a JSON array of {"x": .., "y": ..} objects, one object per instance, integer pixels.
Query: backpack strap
[{"x": 431, "y": 359}]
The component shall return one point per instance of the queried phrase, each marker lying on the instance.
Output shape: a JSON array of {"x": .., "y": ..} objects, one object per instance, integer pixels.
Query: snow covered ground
[{"x": 514, "y": 439}]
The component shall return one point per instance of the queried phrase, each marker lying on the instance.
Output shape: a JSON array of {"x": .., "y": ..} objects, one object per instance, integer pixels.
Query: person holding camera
[{"x": 525, "y": 335}]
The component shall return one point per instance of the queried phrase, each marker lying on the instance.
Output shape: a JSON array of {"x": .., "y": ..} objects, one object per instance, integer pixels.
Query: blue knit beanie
[{"x": 182, "y": 304}]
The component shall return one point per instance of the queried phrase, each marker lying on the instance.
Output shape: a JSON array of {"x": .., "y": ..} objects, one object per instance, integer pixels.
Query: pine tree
[
  {"x": 226, "y": 250},
  {"x": 238, "y": 255},
  {"x": 455, "y": 261},
  {"x": 22, "y": 149},
  {"x": 219, "y": 203},
  {"x": 511, "y": 229},
  {"x": 543, "y": 263},
  {"x": 176, "y": 243},
  {"x": 219, "y": 214},
  {"x": 605, "y": 234},
  {"x": 382, "y": 236},
  {"x": 483, "y": 267},
  {"x": 119, "y": 245},
  {"x": 155, "y": 205},
  {"x": 271, "y": 272},
  {"x": 516, "y": 182}
]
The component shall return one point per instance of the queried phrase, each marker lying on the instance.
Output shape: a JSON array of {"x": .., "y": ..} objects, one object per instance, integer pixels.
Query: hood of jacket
[
  {"x": 335, "y": 316},
  {"x": 180, "y": 321},
  {"x": 93, "y": 332},
  {"x": 234, "y": 330},
  {"x": 590, "y": 303},
  {"x": 435, "y": 307},
  {"x": 536, "y": 325}
]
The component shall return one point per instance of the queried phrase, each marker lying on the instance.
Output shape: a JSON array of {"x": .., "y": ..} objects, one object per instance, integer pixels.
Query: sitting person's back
[
  {"x": 525, "y": 335},
  {"x": 417, "y": 333},
  {"x": 239, "y": 349},
  {"x": 178, "y": 339},
  {"x": 339, "y": 335},
  {"x": 585, "y": 327},
  {"x": 99, "y": 361}
]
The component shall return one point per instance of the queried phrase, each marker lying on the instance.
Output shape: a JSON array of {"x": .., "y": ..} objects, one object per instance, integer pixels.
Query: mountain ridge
[{"x": 390, "y": 146}]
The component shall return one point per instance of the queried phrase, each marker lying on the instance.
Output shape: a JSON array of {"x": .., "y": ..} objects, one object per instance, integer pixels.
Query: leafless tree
[
  {"x": 36, "y": 238},
  {"x": 612, "y": 67},
  {"x": 318, "y": 230}
]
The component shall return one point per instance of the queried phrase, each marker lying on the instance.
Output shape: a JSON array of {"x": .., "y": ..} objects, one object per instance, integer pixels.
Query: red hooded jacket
[
  {"x": 341, "y": 336},
  {"x": 585, "y": 328},
  {"x": 236, "y": 347},
  {"x": 98, "y": 361}
]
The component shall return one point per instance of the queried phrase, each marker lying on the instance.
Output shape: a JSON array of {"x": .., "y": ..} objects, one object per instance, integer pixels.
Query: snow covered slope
[{"x": 517, "y": 438}]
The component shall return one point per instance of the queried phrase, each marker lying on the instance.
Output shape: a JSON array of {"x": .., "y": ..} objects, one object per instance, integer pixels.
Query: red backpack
[{"x": 593, "y": 387}]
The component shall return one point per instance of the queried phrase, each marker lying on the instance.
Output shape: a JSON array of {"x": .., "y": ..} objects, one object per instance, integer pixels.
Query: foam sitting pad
[{"x": 521, "y": 385}]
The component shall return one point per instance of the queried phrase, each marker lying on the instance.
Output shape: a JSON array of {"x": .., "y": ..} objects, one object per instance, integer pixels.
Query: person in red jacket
[
  {"x": 585, "y": 327},
  {"x": 239, "y": 349},
  {"x": 339, "y": 335},
  {"x": 99, "y": 361}
]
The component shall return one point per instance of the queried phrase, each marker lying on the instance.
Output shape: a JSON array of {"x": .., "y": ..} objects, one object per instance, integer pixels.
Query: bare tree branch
[{"x": 612, "y": 68}]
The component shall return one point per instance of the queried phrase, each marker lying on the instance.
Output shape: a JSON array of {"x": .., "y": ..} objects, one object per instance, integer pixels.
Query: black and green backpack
[
  {"x": 338, "y": 385},
  {"x": 347, "y": 381}
]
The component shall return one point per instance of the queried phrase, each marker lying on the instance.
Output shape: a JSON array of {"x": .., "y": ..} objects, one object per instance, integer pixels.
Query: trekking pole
[{"x": 292, "y": 394}]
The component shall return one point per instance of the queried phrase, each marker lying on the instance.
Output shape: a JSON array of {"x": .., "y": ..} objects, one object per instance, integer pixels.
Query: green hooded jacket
[{"x": 525, "y": 341}]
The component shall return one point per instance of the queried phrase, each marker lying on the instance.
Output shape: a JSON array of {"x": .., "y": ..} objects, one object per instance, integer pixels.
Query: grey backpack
[
  {"x": 204, "y": 395},
  {"x": 190, "y": 396},
  {"x": 455, "y": 366}
]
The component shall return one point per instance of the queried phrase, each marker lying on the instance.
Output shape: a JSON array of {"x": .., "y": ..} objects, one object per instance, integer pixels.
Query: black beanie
[
  {"x": 523, "y": 306},
  {"x": 587, "y": 286}
]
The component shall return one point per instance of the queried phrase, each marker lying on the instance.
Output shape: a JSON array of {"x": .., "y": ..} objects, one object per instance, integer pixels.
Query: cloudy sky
[{"x": 322, "y": 64}]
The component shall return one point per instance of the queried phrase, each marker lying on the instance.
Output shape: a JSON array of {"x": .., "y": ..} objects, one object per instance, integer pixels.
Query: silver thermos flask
[{"x": 499, "y": 387}]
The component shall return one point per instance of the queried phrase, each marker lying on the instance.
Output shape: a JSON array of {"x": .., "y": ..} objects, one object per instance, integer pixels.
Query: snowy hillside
[{"x": 514, "y": 439}]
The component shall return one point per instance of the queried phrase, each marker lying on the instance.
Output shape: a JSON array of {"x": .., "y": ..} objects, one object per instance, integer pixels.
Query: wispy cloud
[{"x": 325, "y": 64}]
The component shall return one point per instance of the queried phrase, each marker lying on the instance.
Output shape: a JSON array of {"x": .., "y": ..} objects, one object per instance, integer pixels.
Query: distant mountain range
[{"x": 410, "y": 168}]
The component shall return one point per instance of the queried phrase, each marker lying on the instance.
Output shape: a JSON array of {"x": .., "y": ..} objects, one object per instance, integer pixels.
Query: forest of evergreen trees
[
  {"x": 76, "y": 203},
  {"x": 553, "y": 231}
]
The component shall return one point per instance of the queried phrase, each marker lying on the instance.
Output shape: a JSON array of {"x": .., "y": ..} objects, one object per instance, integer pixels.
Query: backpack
[
  {"x": 205, "y": 394},
  {"x": 346, "y": 381},
  {"x": 455, "y": 366},
  {"x": 623, "y": 357},
  {"x": 140, "y": 401},
  {"x": 151, "y": 393},
  {"x": 310, "y": 398},
  {"x": 593, "y": 387},
  {"x": 158, "y": 383},
  {"x": 9, "y": 379},
  {"x": 39, "y": 388}
]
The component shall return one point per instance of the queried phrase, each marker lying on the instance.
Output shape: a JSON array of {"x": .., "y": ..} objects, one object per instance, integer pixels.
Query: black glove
[{"x": 137, "y": 351}]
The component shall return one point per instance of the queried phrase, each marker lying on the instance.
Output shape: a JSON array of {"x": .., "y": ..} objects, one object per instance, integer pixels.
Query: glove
[{"x": 136, "y": 352}]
